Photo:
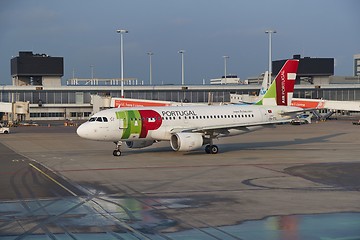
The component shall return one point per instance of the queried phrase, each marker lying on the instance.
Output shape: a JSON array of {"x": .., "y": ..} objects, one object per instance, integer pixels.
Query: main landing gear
[
  {"x": 117, "y": 151},
  {"x": 213, "y": 149}
]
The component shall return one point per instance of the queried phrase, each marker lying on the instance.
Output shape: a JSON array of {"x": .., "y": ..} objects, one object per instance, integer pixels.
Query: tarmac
[{"x": 56, "y": 184}]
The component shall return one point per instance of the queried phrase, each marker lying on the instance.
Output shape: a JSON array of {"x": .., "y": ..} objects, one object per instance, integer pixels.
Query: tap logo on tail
[
  {"x": 285, "y": 82},
  {"x": 282, "y": 88}
]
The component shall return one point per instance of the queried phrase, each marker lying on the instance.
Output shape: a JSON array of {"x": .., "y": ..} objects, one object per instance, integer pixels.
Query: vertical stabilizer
[
  {"x": 281, "y": 90},
  {"x": 265, "y": 85}
]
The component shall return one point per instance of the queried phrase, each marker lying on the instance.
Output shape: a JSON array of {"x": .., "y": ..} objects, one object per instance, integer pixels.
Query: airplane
[
  {"x": 191, "y": 127},
  {"x": 238, "y": 99}
]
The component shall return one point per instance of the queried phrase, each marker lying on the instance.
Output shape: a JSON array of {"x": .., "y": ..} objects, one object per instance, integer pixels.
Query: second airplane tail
[{"x": 281, "y": 90}]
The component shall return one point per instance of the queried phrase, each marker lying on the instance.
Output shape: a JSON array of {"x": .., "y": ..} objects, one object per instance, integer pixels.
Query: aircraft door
[
  {"x": 122, "y": 120},
  {"x": 123, "y": 123}
]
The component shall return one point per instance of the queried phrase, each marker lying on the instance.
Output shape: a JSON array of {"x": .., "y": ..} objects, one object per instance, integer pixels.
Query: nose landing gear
[{"x": 117, "y": 151}]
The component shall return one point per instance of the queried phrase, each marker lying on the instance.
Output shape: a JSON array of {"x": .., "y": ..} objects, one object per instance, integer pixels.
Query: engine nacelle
[
  {"x": 139, "y": 144},
  {"x": 186, "y": 141}
]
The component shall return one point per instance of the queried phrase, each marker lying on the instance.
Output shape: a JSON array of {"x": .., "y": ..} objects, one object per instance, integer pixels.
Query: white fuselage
[{"x": 159, "y": 123}]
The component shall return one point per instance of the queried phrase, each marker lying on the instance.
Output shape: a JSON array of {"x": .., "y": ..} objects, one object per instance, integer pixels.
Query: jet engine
[
  {"x": 186, "y": 141},
  {"x": 139, "y": 144}
]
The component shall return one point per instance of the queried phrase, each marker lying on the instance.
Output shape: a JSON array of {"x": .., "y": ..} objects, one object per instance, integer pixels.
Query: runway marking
[{"x": 52, "y": 179}]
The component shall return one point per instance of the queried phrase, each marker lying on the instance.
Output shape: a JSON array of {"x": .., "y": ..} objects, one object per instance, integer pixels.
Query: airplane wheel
[
  {"x": 117, "y": 153},
  {"x": 214, "y": 149},
  {"x": 207, "y": 149}
]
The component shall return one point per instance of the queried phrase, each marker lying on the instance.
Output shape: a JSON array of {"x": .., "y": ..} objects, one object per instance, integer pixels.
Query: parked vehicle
[
  {"x": 4, "y": 129},
  {"x": 356, "y": 123},
  {"x": 302, "y": 119},
  {"x": 299, "y": 121}
]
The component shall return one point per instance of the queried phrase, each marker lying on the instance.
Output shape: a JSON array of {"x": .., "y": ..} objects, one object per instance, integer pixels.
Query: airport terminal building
[{"x": 36, "y": 92}]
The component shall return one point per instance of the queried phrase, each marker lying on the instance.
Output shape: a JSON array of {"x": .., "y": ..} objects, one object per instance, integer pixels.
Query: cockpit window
[{"x": 98, "y": 119}]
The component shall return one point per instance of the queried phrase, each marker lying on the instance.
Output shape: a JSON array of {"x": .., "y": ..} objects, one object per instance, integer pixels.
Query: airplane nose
[{"x": 82, "y": 131}]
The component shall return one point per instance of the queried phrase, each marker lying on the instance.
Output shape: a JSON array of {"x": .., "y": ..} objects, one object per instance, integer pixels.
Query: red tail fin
[{"x": 285, "y": 82}]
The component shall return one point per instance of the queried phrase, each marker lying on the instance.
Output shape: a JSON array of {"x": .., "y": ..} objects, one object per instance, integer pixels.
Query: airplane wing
[
  {"x": 222, "y": 128},
  {"x": 294, "y": 113}
]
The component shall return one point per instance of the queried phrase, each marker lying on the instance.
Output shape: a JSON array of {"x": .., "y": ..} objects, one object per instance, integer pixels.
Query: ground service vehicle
[{"x": 3, "y": 129}]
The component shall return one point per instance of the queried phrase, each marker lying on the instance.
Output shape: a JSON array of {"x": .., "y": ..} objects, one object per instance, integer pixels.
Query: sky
[{"x": 83, "y": 32}]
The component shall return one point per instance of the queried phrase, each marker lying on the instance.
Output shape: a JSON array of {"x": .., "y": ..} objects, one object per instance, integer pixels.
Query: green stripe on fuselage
[{"x": 132, "y": 120}]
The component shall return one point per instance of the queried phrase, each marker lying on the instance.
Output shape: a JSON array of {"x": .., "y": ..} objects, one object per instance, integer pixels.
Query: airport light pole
[
  {"x": 150, "y": 63},
  {"x": 225, "y": 61},
  {"x": 182, "y": 66},
  {"x": 270, "y": 32},
  {"x": 92, "y": 71},
  {"x": 122, "y": 31}
]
